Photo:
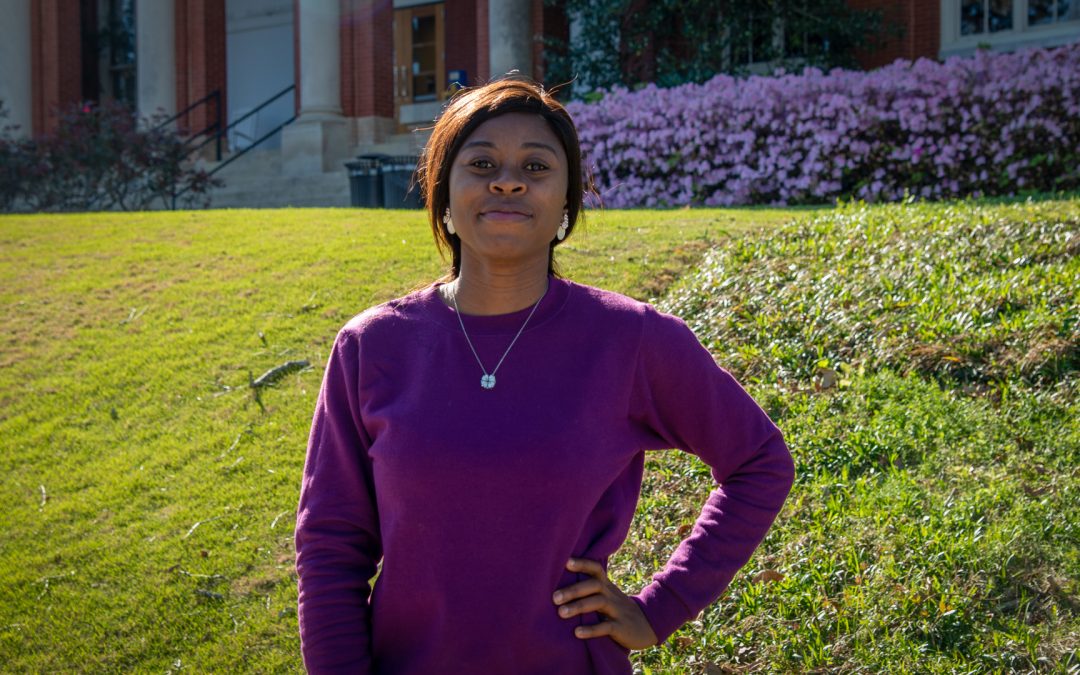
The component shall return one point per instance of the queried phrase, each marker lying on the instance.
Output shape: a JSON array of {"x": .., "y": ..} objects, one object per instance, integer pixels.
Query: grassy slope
[
  {"x": 933, "y": 527},
  {"x": 147, "y": 502},
  {"x": 935, "y": 524}
]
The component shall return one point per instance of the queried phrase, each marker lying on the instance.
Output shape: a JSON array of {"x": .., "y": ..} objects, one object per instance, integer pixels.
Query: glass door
[{"x": 419, "y": 46}]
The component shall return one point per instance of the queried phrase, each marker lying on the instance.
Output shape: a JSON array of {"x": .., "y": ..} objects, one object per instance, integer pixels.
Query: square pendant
[{"x": 487, "y": 381}]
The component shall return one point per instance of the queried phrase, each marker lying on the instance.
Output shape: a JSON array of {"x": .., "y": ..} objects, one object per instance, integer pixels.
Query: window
[
  {"x": 1042, "y": 12},
  {"x": 967, "y": 25},
  {"x": 424, "y": 58},
  {"x": 796, "y": 33},
  {"x": 119, "y": 46},
  {"x": 985, "y": 16}
]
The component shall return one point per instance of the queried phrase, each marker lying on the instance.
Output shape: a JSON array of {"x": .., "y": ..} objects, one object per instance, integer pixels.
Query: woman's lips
[{"x": 505, "y": 216}]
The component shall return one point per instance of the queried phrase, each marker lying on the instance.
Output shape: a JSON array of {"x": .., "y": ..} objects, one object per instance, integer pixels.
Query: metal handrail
[
  {"x": 262, "y": 105},
  {"x": 249, "y": 148},
  {"x": 214, "y": 127},
  {"x": 215, "y": 94},
  {"x": 224, "y": 132}
]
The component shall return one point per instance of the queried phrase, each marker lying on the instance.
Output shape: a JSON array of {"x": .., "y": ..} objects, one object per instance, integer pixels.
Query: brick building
[{"x": 365, "y": 72}]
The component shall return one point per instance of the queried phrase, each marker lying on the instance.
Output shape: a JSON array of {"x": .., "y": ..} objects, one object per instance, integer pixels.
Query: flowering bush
[
  {"x": 990, "y": 124},
  {"x": 100, "y": 157}
]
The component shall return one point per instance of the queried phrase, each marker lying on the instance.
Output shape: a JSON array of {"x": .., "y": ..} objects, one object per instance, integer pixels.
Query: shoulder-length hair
[{"x": 466, "y": 111}]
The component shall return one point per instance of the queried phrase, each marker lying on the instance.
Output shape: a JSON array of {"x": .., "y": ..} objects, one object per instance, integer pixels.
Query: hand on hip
[{"x": 623, "y": 619}]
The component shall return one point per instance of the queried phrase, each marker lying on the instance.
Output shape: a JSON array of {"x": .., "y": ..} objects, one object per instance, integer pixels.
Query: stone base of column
[
  {"x": 372, "y": 129},
  {"x": 314, "y": 146}
]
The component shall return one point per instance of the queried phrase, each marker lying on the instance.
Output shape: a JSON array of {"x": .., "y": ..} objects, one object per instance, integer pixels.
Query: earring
[
  {"x": 563, "y": 226},
  {"x": 448, "y": 222}
]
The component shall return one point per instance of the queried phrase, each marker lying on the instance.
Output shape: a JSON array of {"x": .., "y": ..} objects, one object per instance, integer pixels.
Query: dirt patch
[
  {"x": 261, "y": 581},
  {"x": 681, "y": 258}
]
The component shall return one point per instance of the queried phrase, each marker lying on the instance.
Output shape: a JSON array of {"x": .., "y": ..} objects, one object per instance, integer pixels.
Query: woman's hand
[{"x": 624, "y": 620}]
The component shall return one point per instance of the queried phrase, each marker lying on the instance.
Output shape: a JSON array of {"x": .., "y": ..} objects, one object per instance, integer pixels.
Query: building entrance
[{"x": 419, "y": 64}]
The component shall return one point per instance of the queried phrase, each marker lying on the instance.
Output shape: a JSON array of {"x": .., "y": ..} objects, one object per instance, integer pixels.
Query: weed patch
[
  {"x": 960, "y": 292},
  {"x": 922, "y": 362}
]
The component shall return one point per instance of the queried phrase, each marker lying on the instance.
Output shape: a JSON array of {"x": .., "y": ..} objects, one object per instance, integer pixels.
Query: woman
[{"x": 485, "y": 437}]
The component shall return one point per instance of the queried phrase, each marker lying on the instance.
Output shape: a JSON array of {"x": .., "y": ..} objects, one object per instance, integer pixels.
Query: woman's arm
[
  {"x": 684, "y": 400},
  {"x": 337, "y": 527}
]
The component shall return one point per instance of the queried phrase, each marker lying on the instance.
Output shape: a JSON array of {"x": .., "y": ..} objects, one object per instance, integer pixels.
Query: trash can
[
  {"x": 365, "y": 181},
  {"x": 397, "y": 175}
]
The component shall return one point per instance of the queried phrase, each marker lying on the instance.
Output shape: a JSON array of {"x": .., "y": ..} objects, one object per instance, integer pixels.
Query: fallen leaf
[
  {"x": 826, "y": 379},
  {"x": 768, "y": 576}
]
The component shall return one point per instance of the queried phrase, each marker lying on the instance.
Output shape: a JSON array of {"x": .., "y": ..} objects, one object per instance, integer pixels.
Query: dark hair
[{"x": 466, "y": 111}]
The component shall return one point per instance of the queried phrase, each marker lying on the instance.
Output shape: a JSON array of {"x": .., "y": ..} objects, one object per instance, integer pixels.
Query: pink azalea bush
[
  {"x": 991, "y": 124},
  {"x": 99, "y": 157}
]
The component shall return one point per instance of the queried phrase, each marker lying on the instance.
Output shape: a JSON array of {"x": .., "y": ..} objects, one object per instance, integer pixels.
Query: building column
[
  {"x": 367, "y": 76},
  {"x": 56, "y": 61},
  {"x": 16, "y": 91},
  {"x": 155, "y": 57},
  {"x": 510, "y": 37},
  {"x": 318, "y": 140}
]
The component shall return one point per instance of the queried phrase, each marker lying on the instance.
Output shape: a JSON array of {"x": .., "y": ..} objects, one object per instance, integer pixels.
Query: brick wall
[
  {"x": 483, "y": 42},
  {"x": 547, "y": 22},
  {"x": 925, "y": 36},
  {"x": 536, "y": 22},
  {"x": 919, "y": 24},
  {"x": 55, "y": 60},
  {"x": 367, "y": 77},
  {"x": 200, "y": 59},
  {"x": 462, "y": 47}
]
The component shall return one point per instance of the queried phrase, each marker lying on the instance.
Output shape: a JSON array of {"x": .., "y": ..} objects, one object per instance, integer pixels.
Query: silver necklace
[{"x": 488, "y": 379}]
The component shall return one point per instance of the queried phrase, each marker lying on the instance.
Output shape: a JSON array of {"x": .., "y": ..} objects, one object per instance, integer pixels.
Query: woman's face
[{"x": 508, "y": 190}]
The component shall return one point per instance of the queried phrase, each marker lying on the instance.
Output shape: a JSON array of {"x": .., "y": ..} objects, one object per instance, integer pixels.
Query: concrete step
[
  {"x": 271, "y": 191},
  {"x": 267, "y": 199},
  {"x": 255, "y": 180},
  {"x": 254, "y": 163},
  {"x": 330, "y": 179}
]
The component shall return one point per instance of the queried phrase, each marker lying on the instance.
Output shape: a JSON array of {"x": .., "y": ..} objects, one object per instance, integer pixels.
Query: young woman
[{"x": 484, "y": 438}]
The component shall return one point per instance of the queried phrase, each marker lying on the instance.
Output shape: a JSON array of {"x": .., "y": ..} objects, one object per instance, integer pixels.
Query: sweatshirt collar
[{"x": 495, "y": 324}]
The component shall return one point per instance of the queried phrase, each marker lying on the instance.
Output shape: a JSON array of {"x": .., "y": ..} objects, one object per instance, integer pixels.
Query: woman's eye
[
  {"x": 535, "y": 166},
  {"x": 482, "y": 164}
]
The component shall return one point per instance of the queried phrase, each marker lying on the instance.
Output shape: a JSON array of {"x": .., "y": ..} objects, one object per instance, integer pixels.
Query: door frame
[{"x": 402, "y": 66}]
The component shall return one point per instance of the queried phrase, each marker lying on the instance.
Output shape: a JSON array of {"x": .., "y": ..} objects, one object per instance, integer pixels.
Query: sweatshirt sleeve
[
  {"x": 337, "y": 527},
  {"x": 684, "y": 400}
]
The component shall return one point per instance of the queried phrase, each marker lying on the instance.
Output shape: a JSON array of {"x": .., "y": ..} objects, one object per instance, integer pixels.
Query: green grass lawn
[
  {"x": 148, "y": 500},
  {"x": 922, "y": 361}
]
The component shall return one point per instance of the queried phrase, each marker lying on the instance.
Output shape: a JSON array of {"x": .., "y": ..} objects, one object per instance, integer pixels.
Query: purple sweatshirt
[{"x": 474, "y": 499}]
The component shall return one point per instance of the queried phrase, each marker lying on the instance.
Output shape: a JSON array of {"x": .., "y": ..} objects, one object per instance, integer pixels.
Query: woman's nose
[{"x": 507, "y": 182}]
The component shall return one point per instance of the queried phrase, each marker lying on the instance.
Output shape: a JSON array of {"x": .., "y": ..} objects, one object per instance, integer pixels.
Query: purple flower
[{"x": 932, "y": 128}]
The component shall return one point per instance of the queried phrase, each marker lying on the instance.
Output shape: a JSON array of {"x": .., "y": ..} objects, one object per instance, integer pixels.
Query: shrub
[
  {"x": 670, "y": 43},
  {"x": 100, "y": 157},
  {"x": 992, "y": 124}
]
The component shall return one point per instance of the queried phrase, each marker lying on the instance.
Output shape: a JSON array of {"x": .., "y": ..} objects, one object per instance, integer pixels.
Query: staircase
[{"x": 256, "y": 180}]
